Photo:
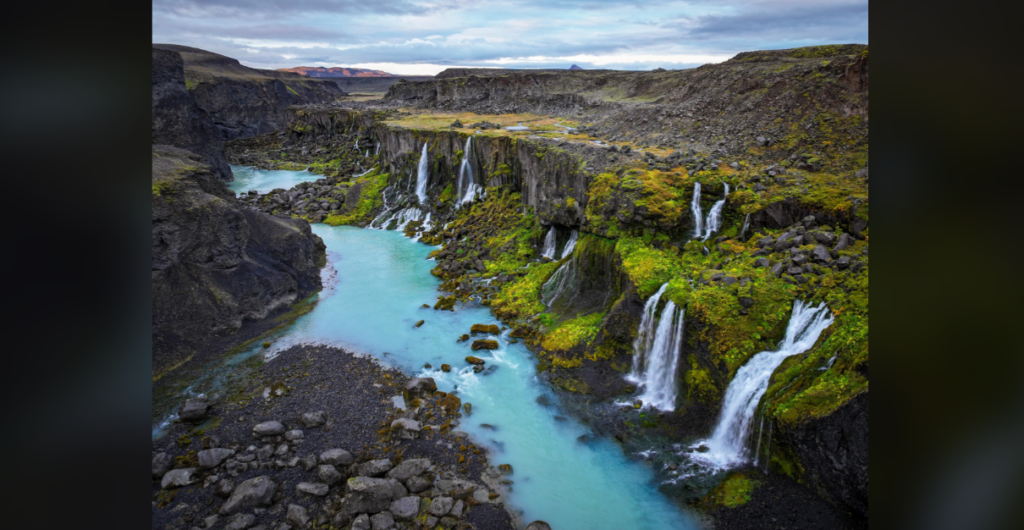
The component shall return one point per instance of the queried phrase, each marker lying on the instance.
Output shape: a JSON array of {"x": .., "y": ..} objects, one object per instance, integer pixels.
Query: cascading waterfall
[
  {"x": 421, "y": 177},
  {"x": 467, "y": 187},
  {"x": 549, "y": 244},
  {"x": 746, "y": 224},
  {"x": 367, "y": 153},
  {"x": 698, "y": 216},
  {"x": 645, "y": 335},
  {"x": 571, "y": 244},
  {"x": 728, "y": 444},
  {"x": 562, "y": 279},
  {"x": 376, "y": 151},
  {"x": 715, "y": 216},
  {"x": 656, "y": 353}
]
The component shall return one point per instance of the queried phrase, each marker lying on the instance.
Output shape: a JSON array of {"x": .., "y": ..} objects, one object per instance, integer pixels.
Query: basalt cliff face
[
  {"x": 627, "y": 165},
  {"x": 219, "y": 270},
  {"x": 245, "y": 101}
]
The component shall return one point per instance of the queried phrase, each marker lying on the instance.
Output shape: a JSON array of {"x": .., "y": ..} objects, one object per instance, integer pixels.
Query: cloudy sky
[{"x": 426, "y": 36}]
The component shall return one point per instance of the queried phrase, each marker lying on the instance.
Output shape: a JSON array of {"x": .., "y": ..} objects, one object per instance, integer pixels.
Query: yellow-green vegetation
[
  {"x": 290, "y": 89},
  {"x": 573, "y": 332},
  {"x": 734, "y": 491},
  {"x": 369, "y": 200},
  {"x": 511, "y": 235},
  {"x": 807, "y": 386},
  {"x": 521, "y": 298}
]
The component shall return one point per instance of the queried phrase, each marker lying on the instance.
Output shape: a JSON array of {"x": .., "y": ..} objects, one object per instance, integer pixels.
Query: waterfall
[
  {"x": 746, "y": 224},
  {"x": 367, "y": 152},
  {"x": 559, "y": 281},
  {"x": 656, "y": 353},
  {"x": 549, "y": 244},
  {"x": 356, "y": 146},
  {"x": 376, "y": 151},
  {"x": 728, "y": 443},
  {"x": 715, "y": 216},
  {"x": 644, "y": 336},
  {"x": 571, "y": 244},
  {"x": 698, "y": 217},
  {"x": 422, "y": 176},
  {"x": 467, "y": 188}
]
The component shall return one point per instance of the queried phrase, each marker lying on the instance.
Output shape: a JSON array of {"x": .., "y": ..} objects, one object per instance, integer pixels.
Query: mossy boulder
[
  {"x": 474, "y": 360},
  {"x": 485, "y": 345},
  {"x": 485, "y": 328}
]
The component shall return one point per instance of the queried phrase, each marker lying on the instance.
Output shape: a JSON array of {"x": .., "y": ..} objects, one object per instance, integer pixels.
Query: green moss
[
  {"x": 369, "y": 201},
  {"x": 734, "y": 491},
  {"x": 574, "y": 332},
  {"x": 292, "y": 90}
]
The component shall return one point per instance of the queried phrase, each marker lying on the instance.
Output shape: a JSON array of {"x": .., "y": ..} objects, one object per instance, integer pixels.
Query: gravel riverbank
[{"x": 313, "y": 439}]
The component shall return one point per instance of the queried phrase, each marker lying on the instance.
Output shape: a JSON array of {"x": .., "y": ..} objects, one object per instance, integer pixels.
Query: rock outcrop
[
  {"x": 178, "y": 120},
  {"x": 245, "y": 101},
  {"x": 215, "y": 265}
]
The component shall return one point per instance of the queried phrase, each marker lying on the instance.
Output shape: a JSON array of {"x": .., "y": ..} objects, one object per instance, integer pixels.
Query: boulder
[
  {"x": 776, "y": 269},
  {"x": 211, "y": 458},
  {"x": 419, "y": 387},
  {"x": 161, "y": 464},
  {"x": 821, "y": 255},
  {"x": 418, "y": 484},
  {"x": 224, "y": 488},
  {"x": 484, "y": 345},
  {"x": 457, "y": 510},
  {"x": 843, "y": 263},
  {"x": 844, "y": 241},
  {"x": 297, "y": 516},
  {"x": 485, "y": 328},
  {"x": 406, "y": 428},
  {"x": 409, "y": 468},
  {"x": 240, "y": 521},
  {"x": 268, "y": 428},
  {"x": 405, "y": 508},
  {"x": 361, "y": 523},
  {"x": 382, "y": 521},
  {"x": 317, "y": 489},
  {"x": 761, "y": 262},
  {"x": 328, "y": 474},
  {"x": 441, "y": 506},
  {"x": 799, "y": 260},
  {"x": 446, "y": 368},
  {"x": 538, "y": 525},
  {"x": 475, "y": 360},
  {"x": 451, "y": 403},
  {"x": 336, "y": 457},
  {"x": 294, "y": 434},
  {"x": 375, "y": 468},
  {"x": 177, "y": 478},
  {"x": 258, "y": 491},
  {"x": 194, "y": 410},
  {"x": 795, "y": 270},
  {"x": 746, "y": 302},
  {"x": 313, "y": 419},
  {"x": 825, "y": 238}
]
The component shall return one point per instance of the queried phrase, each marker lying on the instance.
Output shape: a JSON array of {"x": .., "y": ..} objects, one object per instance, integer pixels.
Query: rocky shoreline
[{"x": 313, "y": 439}]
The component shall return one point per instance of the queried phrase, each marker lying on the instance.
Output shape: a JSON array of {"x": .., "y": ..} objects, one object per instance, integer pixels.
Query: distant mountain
[
  {"x": 574, "y": 67},
  {"x": 319, "y": 71}
]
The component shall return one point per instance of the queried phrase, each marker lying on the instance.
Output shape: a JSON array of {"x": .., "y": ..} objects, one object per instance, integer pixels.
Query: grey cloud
[
  {"x": 200, "y": 8},
  {"x": 802, "y": 22}
]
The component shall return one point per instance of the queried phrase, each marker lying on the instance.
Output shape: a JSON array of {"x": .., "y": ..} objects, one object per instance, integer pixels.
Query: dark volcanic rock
[
  {"x": 245, "y": 101},
  {"x": 834, "y": 452},
  {"x": 178, "y": 120},
  {"x": 216, "y": 265}
]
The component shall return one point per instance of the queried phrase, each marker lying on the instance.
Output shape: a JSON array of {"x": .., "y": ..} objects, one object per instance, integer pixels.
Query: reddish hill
[{"x": 319, "y": 71}]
